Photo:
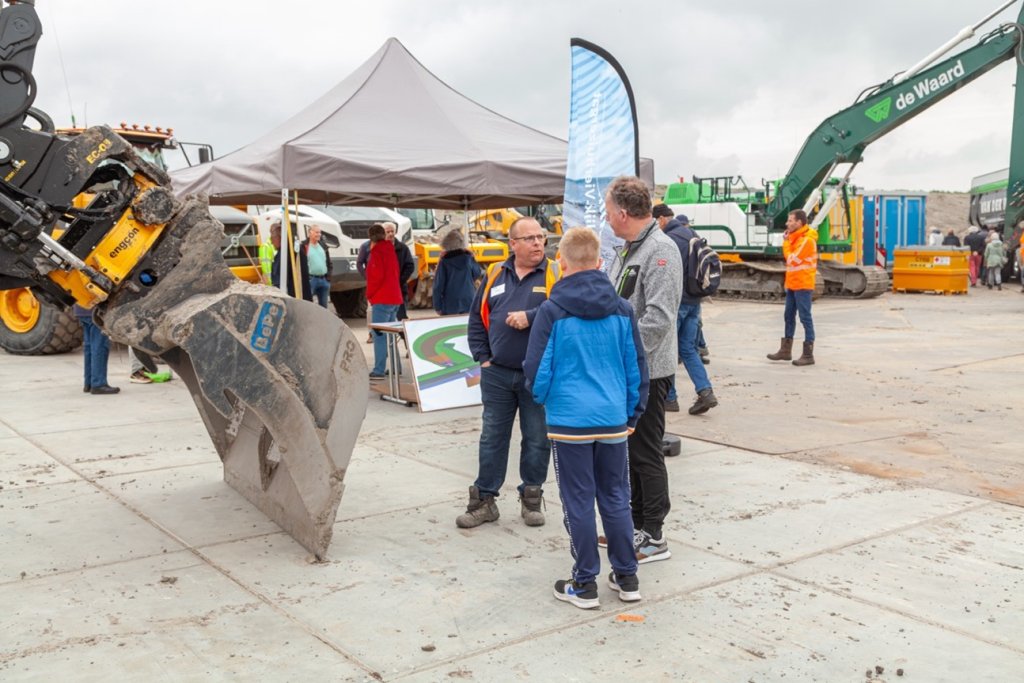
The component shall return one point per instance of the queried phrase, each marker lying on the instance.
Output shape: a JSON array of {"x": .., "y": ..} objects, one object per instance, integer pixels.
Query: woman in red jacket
[{"x": 382, "y": 291}]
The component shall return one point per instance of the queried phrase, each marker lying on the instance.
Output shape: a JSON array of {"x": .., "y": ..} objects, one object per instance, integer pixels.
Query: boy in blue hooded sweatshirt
[{"x": 585, "y": 363}]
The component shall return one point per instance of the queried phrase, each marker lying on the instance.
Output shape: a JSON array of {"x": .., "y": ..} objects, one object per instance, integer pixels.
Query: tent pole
[
  {"x": 296, "y": 270},
  {"x": 284, "y": 258}
]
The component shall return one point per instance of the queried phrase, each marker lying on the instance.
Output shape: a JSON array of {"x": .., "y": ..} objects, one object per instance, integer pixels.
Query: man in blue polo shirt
[{"x": 499, "y": 331}]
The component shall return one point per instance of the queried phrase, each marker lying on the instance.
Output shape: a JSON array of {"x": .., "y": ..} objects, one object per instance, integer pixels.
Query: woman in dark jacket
[
  {"x": 951, "y": 240},
  {"x": 456, "y": 276}
]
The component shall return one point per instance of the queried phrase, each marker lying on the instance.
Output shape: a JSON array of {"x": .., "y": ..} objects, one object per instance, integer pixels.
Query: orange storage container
[{"x": 943, "y": 270}]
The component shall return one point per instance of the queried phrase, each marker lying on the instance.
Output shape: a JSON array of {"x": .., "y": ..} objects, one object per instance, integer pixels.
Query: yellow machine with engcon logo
[
  {"x": 87, "y": 217},
  {"x": 29, "y": 327}
]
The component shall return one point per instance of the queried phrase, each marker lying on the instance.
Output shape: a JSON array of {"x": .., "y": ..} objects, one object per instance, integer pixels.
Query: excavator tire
[
  {"x": 423, "y": 297},
  {"x": 46, "y": 331},
  {"x": 350, "y": 303}
]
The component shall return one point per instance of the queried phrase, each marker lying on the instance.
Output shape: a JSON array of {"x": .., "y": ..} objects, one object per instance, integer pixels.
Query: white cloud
[{"x": 721, "y": 88}]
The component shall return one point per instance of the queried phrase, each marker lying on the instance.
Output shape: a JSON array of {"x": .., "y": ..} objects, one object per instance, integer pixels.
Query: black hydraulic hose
[
  {"x": 871, "y": 90},
  {"x": 30, "y": 91}
]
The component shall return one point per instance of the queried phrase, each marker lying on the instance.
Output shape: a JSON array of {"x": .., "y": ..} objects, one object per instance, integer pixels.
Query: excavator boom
[{"x": 843, "y": 137}]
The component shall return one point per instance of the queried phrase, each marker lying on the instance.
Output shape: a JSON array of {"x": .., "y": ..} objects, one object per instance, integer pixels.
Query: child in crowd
[{"x": 585, "y": 363}]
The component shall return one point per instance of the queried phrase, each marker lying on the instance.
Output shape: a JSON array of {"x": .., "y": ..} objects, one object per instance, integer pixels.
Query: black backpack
[{"x": 702, "y": 270}]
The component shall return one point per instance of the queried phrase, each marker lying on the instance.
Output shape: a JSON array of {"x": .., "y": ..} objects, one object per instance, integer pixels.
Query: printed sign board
[{"x": 444, "y": 372}]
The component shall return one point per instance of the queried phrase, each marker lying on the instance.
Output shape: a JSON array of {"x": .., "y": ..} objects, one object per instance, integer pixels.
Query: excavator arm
[
  {"x": 280, "y": 384},
  {"x": 1015, "y": 186},
  {"x": 843, "y": 137}
]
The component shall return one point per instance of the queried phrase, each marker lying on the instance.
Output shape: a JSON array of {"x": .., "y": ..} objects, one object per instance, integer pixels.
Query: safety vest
[
  {"x": 801, "y": 251},
  {"x": 552, "y": 273},
  {"x": 267, "y": 253}
]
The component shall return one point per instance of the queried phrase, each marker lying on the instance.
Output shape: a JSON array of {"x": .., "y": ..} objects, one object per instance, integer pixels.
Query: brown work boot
[
  {"x": 808, "y": 355},
  {"x": 478, "y": 511},
  {"x": 705, "y": 401},
  {"x": 785, "y": 351},
  {"x": 531, "y": 499}
]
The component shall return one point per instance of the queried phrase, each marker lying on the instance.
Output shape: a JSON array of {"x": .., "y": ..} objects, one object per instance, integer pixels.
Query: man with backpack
[
  {"x": 687, "y": 323},
  {"x": 647, "y": 272}
]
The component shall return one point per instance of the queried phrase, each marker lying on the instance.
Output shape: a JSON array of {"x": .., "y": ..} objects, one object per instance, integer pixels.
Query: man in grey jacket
[{"x": 648, "y": 272}]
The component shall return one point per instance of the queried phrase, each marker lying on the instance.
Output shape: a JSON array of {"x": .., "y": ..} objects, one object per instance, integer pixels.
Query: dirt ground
[
  {"x": 919, "y": 388},
  {"x": 947, "y": 210}
]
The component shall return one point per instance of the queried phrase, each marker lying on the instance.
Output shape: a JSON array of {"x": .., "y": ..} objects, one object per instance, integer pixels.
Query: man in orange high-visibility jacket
[{"x": 800, "y": 247}]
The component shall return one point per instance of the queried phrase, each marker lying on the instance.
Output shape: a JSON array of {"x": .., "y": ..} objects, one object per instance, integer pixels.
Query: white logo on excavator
[{"x": 929, "y": 86}]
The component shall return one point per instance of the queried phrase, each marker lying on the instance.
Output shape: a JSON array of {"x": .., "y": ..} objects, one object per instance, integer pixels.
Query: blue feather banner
[{"x": 603, "y": 140}]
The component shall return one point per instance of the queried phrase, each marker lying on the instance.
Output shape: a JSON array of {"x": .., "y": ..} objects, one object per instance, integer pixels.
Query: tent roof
[{"x": 390, "y": 134}]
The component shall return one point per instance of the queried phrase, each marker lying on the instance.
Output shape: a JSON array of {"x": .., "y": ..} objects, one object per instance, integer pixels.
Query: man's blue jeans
[
  {"x": 687, "y": 330},
  {"x": 97, "y": 350},
  {"x": 798, "y": 301},
  {"x": 320, "y": 286},
  {"x": 504, "y": 392},
  {"x": 382, "y": 313}
]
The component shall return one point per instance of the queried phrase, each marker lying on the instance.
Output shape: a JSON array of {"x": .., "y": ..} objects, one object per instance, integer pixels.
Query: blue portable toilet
[{"x": 891, "y": 220}]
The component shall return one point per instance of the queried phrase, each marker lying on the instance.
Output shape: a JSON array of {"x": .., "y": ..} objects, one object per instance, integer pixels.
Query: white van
[{"x": 344, "y": 229}]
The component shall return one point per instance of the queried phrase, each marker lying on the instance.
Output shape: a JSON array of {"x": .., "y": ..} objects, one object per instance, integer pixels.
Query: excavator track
[
  {"x": 766, "y": 281},
  {"x": 852, "y": 281},
  {"x": 756, "y": 281}
]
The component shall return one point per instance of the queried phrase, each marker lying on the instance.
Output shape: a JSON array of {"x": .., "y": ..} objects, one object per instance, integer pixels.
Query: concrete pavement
[{"x": 862, "y": 513}]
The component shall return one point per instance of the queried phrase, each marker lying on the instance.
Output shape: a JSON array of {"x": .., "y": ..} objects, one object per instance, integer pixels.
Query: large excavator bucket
[{"x": 279, "y": 383}]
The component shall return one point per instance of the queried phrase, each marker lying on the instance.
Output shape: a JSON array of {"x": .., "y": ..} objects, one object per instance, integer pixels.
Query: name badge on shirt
[
  {"x": 498, "y": 289},
  {"x": 540, "y": 290}
]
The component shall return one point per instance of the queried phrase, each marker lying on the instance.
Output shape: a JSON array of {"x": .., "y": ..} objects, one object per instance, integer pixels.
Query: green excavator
[{"x": 746, "y": 225}]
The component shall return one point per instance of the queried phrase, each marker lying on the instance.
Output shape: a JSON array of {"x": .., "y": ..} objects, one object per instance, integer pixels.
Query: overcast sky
[{"x": 722, "y": 88}]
